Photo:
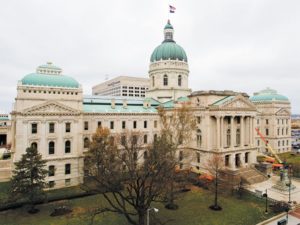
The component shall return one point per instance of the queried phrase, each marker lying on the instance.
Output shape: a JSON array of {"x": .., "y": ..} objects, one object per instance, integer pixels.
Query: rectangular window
[
  {"x": 134, "y": 125},
  {"x": 111, "y": 125},
  {"x": 267, "y": 121},
  {"x": 267, "y": 132},
  {"x": 258, "y": 142},
  {"x": 51, "y": 184},
  {"x": 68, "y": 168},
  {"x": 51, "y": 127},
  {"x": 155, "y": 123},
  {"x": 86, "y": 125},
  {"x": 257, "y": 121},
  {"x": 123, "y": 124},
  {"x": 99, "y": 124},
  {"x": 145, "y": 139},
  {"x": 198, "y": 157},
  {"x": 34, "y": 128},
  {"x": 180, "y": 156},
  {"x": 145, "y": 124},
  {"x": 198, "y": 119},
  {"x": 68, "y": 127},
  {"x": 51, "y": 171},
  {"x": 123, "y": 140}
]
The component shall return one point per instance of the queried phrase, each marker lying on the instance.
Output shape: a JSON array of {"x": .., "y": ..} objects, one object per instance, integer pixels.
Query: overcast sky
[{"x": 240, "y": 45}]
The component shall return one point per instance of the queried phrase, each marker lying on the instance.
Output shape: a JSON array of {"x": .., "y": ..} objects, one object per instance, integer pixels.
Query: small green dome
[
  {"x": 168, "y": 50},
  {"x": 49, "y": 75},
  {"x": 268, "y": 95},
  {"x": 168, "y": 25}
]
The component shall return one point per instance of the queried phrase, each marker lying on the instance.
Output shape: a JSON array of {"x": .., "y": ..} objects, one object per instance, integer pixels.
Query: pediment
[
  {"x": 238, "y": 102},
  {"x": 283, "y": 112},
  {"x": 51, "y": 108}
]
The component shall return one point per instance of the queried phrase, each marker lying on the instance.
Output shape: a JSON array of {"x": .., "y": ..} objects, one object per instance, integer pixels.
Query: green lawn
[
  {"x": 289, "y": 157},
  {"x": 193, "y": 210}
]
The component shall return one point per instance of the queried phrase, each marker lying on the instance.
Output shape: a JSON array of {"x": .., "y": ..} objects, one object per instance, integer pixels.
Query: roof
[
  {"x": 168, "y": 25},
  {"x": 170, "y": 103},
  {"x": 49, "y": 75},
  {"x": 268, "y": 95},
  {"x": 223, "y": 100},
  {"x": 103, "y": 104},
  {"x": 168, "y": 51}
]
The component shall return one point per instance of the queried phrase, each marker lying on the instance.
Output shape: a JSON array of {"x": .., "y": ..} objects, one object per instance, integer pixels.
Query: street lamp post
[
  {"x": 266, "y": 196},
  {"x": 290, "y": 183},
  {"x": 148, "y": 214}
]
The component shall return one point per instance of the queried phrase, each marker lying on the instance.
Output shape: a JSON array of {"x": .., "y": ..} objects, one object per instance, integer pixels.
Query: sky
[{"x": 240, "y": 45}]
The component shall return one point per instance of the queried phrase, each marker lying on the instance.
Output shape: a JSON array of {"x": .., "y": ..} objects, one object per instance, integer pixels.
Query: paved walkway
[
  {"x": 292, "y": 220},
  {"x": 275, "y": 194}
]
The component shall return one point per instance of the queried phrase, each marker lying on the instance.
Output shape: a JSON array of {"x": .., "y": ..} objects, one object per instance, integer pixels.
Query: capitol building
[{"x": 52, "y": 113}]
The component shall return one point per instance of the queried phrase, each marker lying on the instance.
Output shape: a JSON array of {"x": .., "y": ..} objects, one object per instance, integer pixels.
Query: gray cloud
[{"x": 240, "y": 45}]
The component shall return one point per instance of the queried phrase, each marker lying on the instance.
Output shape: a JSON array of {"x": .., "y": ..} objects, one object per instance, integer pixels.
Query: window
[
  {"x": 134, "y": 139},
  {"x": 198, "y": 157},
  {"x": 267, "y": 132},
  {"x": 278, "y": 143},
  {"x": 145, "y": 124},
  {"x": 134, "y": 124},
  {"x": 155, "y": 137},
  {"x": 111, "y": 125},
  {"x": 287, "y": 131},
  {"x": 238, "y": 137},
  {"x": 278, "y": 131},
  {"x": 145, "y": 154},
  {"x": 34, "y": 145},
  {"x": 135, "y": 156},
  {"x": 99, "y": 124},
  {"x": 51, "y": 147},
  {"x": 228, "y": 135},
  {"x": 86, "y": 125},
  {"x": 68, "y": 127},
  {"x": 68, "y": 146},
  {"x": 153, "y": 81},
  {"x": 34, "y": 128},
  {"x": 246, "y": 157},
  {"x": 282, "y": 142},
  {"x": 238, "y": 120},
  {"x": 123, "y": 140},
  {"x": 51, "y": 127},
  {"x": 199, "y": 138},
  {"x": 165, "y": 80},
  {"x": 67, "y": 182},
  {"x": 51, "y": 184},
  {"x": 257, "y": 121},
  {"x": 86, "y": 142},
  {"x": 258, "y": 143},
  {"x": 155, "y": 123},
  {"x": 282, "y": 131},
  {"x": 227, "y": 157},
  {"x": 68, "y": 168},
  {"x": 51, "y": 171},
  {"x": 123, "y": 124},
  {"x": 145, "y": 139},
  {"x": 267, "y": 121},
  {"x": 287, "y": 142},
  {"x": 277, "y": 121},
  {"x": 180, "y": 156},
  {"x": 198, "y": 119},
  {"x": 179, "y": 80}
]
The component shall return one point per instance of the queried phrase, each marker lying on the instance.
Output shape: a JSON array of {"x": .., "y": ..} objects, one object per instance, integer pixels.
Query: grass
[
  {"x": 193, "y": 210},
  {"x": 289, "y": 157}
]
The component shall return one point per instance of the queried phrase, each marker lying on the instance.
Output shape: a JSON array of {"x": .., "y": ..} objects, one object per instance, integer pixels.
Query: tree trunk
[
  {"x": 216, "y": 191},
  {"x": 142, "y": 218}
]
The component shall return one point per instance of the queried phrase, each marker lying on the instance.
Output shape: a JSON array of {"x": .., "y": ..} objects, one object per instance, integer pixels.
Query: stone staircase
[
  {"x": 252, "y": 175},
  {"x": 5, "y": 170}
]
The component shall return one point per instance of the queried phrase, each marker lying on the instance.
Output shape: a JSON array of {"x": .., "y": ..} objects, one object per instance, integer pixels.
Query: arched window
[
  {"x": 228, "y": 137},
  {"x": 153, "y": 81},
  {"x": 51, "y": 147},
  {"x": 199, "y": 138},
  {"x": 34, "y": 145},
  {"x": 165, "y": 80},
  {"x": 238, "y": 137},
  {"x": 68, "y": 146},
  {"x": 86, "y": 142},
  {"x": 179, "y": 80}
]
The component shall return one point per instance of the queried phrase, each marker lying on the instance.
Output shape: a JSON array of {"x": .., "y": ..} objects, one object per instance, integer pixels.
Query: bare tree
[
  {"x": 177, "y": 126},
  {"x": 132, "y": 174},
  {"x": 215, "y": 165}
]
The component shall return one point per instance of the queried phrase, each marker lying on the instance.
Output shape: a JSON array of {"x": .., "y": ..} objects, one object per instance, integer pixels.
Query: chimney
[
  {"x": 113, "y": 103},
  {"x": 125, "y": 104}
]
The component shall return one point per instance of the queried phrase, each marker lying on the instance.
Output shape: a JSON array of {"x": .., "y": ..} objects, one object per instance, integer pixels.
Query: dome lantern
[{"x": 168, "y": 32}]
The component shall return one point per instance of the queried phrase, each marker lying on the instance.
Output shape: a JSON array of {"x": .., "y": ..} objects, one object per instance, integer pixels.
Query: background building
[
  {"x": 273, "y": 120},
  {"x": 122, "y": 86}
]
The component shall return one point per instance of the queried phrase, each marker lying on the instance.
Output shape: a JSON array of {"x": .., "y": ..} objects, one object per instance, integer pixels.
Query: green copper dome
[
  {"x": 168, "y": 50},
  {"x": 268, "y": 95},
  {"x": 49, "y": 75}
]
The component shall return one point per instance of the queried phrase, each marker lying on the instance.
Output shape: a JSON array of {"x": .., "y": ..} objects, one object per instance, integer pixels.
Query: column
[
  {"x": 232, "y": 132},
  {"x": 207, "y": 134},
  {"x": 218, "y": 131},
  {"x": 222, "y": 132},
  {"x": 251, "y": 131},
  {"x": 242, "y": 131},
  {"x": 232, "y": 161}
]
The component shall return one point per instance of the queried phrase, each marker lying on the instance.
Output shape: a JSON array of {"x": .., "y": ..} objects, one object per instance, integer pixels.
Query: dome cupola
[{"x": 268, "y": 95}]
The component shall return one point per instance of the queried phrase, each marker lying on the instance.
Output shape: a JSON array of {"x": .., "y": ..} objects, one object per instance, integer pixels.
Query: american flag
[{"x": 172, "y": 9}]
